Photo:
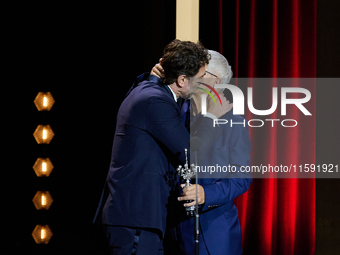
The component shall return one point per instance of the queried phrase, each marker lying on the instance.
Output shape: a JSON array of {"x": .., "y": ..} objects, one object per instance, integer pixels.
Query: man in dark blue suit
[
  {"x": 149, "y": 143},
  {"x": 219, "y": 223},
  {"x": 221, "y": 178}
]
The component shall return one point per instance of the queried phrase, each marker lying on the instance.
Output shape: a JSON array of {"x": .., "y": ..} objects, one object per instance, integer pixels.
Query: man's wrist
[{"x": 210, "y": 115}]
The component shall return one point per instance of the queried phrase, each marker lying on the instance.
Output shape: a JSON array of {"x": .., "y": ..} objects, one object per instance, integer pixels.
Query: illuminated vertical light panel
[
  {"x": 42, "y": 234},
  {"x": 187, "y": 20},
  {"x": 44, "y": 134},
  {"x": 44, "y": 101},
  {"x": 43, "y": 167},
  {"x": 43, "y": 200}
]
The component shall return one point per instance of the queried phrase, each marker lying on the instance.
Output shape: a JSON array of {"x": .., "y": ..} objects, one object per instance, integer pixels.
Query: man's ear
[{"x": 181, "y": 81}]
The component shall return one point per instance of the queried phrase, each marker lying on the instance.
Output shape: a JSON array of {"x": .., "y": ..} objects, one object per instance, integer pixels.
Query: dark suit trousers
[{"x": 133, "y": 241}]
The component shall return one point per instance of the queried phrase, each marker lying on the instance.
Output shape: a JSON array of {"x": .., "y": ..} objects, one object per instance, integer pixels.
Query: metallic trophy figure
[{"x": 187, "y": 173}]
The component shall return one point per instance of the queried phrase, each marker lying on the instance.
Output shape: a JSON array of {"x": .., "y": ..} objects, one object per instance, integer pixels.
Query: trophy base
[{"x": 190, "y": 211}]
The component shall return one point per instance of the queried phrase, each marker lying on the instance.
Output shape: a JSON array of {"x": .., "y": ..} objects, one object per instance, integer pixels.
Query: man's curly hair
[{"x": 183, "y": 58}]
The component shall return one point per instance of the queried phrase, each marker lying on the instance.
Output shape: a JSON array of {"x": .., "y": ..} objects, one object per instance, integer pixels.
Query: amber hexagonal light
[
  {"x": 43, "y": 134},
  {"x": 44, "y": 101},
  {"x": 43, "y": 167},
  {"x": 42, "y": 200},
  {"x": 42, "y": 234}
]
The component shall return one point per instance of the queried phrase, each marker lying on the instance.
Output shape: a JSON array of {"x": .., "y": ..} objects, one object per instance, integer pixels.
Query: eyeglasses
[{"x": 211, "y": 74}]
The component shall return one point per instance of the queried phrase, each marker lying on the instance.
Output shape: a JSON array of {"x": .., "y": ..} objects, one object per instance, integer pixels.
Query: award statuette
[{"x": 187, "y": 173}]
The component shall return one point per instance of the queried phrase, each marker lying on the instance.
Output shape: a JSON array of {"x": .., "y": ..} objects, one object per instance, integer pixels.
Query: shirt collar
[{"x": 174, "y": 95}]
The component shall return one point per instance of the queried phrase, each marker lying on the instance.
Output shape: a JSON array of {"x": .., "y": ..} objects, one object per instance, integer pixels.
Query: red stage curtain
[{"x": 276, "y": 39}]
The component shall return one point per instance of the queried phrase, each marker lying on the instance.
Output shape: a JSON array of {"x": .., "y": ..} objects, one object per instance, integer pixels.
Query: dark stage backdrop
[
  {"x": 88, "y": 55},
  {"x": 272, "y": 39}
]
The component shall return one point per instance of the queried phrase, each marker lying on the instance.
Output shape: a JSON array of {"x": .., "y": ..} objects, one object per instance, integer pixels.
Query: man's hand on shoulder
[{"x": 158, "y": 70}]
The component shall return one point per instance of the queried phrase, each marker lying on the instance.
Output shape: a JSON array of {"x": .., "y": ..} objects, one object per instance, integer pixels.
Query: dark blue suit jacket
[
  {"x": 148, "y": 145},
  {"x": 220, "y": 227}
]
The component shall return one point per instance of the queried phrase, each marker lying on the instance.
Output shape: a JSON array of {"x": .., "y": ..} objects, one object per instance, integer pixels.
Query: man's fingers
[
  {"x": 159, "y": 67},
  {"x": 184, "y": 198},
  {"x": 190, "y": 204},
  {"x": 189, "y": 188},
  {"x": 188, "y": 197},
  {"x": 193, "y": 201},
  {"x": 189, "y": 193},
  {"x": 158, "y": 71}
]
